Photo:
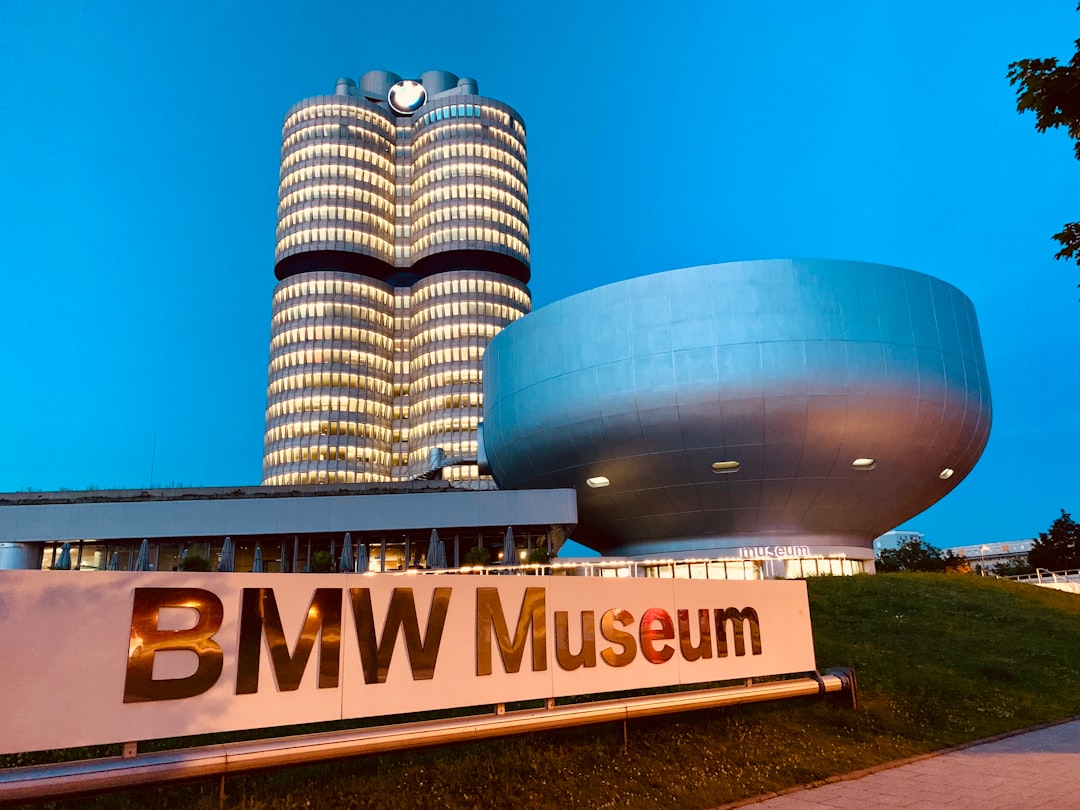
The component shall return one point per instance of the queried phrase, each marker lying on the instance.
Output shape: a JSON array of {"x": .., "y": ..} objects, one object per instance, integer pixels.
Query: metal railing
[
  {"x": 69, "y": 779},
  {"x": 1055, "y": 577}
]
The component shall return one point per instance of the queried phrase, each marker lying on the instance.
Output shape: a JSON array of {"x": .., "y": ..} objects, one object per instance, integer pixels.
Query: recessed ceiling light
[
  {"x": 725, "y": 466},
  {"x": 946, "y": 473},
  {"x": 597, "y": 481},
  {"x": 864, "y": 463}
]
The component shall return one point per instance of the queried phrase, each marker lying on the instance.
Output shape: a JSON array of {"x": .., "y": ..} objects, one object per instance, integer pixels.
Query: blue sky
[{"x": 141, "y": 146}]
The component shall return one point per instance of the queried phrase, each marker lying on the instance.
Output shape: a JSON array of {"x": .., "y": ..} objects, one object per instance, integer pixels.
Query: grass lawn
[{"x": 940, "y": 659}]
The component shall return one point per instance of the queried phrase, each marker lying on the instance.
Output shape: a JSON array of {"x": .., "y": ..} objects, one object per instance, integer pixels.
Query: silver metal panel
[{"x": 793, "y": 368}]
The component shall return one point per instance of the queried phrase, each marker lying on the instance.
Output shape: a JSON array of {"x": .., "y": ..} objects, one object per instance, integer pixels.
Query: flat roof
[{"x": 214, "y": 512}]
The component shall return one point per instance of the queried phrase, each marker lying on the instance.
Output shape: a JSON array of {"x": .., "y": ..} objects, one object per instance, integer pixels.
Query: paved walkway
[{"x": 1030, "y": 770}]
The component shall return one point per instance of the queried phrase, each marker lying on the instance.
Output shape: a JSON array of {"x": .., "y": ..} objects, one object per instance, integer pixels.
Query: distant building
[
  {"x": 894, "y": 539},
  {"x": 988, "y": 555}
]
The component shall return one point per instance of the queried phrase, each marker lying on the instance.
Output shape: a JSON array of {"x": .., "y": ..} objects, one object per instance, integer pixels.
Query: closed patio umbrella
[
  {"x": 361, "y": 557},
  {"x": 63, "y": 562},
  {"x": 509, "y": 552},
  {"x": 347, "y": 564},
  {"x": 436, "y": 555},
  {"x": 227, "y": 562},
  {"x": 114, "y": 563},
  {"x": 257, "y": 565},
  {"x": 142, "y": 562}
]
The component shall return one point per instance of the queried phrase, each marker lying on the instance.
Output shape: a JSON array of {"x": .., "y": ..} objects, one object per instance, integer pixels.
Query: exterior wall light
[
  {"x": 946, "y": 473},
  {"x": 597, "y": 481},
  {"x": 864, "y": 463},
  {"x": 725, "y": 466}
]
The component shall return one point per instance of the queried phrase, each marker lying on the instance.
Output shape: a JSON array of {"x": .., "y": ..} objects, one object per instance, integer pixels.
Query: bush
[
  {"x": 322, "y": 562},
  {"x": 477, "y": 555},
  {"x": 917, "y": 555},
  {"x": 540, "y": 556},
  {"x": 195, "y": 562}
]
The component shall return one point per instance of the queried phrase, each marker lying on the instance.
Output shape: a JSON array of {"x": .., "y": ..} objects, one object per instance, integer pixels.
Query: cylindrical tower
[
  {"x": 454, "y": 317},
  {"x": 470, "y": 188},
  {"x": 402, "y": 249},
  {"x": 329, "y": 399},
  {"x": 336, "y": 205}
]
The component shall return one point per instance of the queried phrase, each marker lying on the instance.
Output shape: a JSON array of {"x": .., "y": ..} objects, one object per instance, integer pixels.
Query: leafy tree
[
  {"x": 1052, "y": 92},
  {"x": 1058, "y": 548},
  {"x": 917, "y": 555}
]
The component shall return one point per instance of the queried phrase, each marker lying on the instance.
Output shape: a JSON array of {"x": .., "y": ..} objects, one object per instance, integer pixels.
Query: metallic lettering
[
  {"x": 376, "y": 654},
  {"x": 586, "y": 656},
  {"x": 531, "y": 624},
  {"x": 620, "y": 637},
  {"x": 704, "y": 645},
  {"x": 259, "y": 615},
  {"x": 738, "y": 619},
  {"x": 649, "y": 633},
  {"x": 147, "y": 640}
]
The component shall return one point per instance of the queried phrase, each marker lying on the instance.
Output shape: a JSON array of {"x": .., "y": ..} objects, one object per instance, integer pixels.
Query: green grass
[{"x": 940, "y": 659}]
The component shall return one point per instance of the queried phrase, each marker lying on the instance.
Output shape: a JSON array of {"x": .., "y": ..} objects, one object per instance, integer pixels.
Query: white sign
[{"x": 103, "y": 657}]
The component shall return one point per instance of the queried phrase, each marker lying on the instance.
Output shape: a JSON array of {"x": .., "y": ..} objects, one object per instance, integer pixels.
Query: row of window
[
  {"x": 351, "y": 335},
  {"x": 348, "y": 357},
  {"x": 308, "y": 427},
  {"x": 337, "y": 286},
  {"x": 328, "y": 379},
  {"x": 442, "y": 425},
  {"x": 322, "y": 452},
  {"x": 305, "y": 194},
  {"x": 451, "y": 213},
  {"x": 350, "y": 236},
  {"x": 500, "y": 288},
  {"x": 377, "y": 410},
  {"x": 332, "y": 149},
  {"x": 312, "y": 112},
  {"x": 483, "y": 309},
  {"x": 337, "y": 310},
  {"x": 443, "y": 402},
  {"x": 469, "y": 191},
  {"x": 454, "y": 354},
  {"x": 447, "y": 112},
  {"x": 319, "y": 131},
  {"x": 466, "y": 449},
  {"x": 337, "y": 171},
  {"x": 472, "y": 233},
  {"x": 462, "y": 168},
  {"x": 335, "y": 213},
  {"x": 456, "y": 331},
  {"x": 462, "y": 375},
  {"x": 454, "y": 151},
  {"x": 458, "y": 130},
  {"x": 294, "y": 479}
]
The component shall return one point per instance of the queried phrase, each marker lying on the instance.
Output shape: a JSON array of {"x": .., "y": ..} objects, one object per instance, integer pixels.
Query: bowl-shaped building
[{"x": 723, "y": 409}]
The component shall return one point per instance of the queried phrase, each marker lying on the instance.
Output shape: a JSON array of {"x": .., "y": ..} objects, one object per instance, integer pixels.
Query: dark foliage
[
  {"x": 1059, "y": 548},
  {"x": 195, "y": 562},
  {"x": 917, "y": 555},
  {"x": 1052, "y": 92}
]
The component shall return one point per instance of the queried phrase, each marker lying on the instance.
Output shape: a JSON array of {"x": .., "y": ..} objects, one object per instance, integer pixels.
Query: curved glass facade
[{"x": 402, "y": 250}]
